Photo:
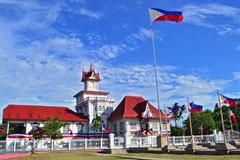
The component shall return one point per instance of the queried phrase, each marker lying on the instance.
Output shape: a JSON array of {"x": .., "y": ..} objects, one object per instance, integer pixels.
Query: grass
[{"x": 130, "y": 156}]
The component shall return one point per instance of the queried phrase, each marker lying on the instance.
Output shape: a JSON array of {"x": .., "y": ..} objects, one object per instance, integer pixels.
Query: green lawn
[{"x": 131, "y": 156}]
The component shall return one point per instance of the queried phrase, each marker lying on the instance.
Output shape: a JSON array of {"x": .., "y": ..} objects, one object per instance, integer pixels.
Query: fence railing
[
  {"x": 105, "y": 143},
  {"x": 47, "y": 144},
  {"x": 143, "y": 142},
  {"x": 197, "y": 139}
]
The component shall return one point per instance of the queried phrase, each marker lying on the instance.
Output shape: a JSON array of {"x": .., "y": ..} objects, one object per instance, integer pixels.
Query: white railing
[
  {"x": 197, "y": 139},
  {"x": 143, "y": 142},
  {"x": 119, "y": 142},
  {"x": 98, "y": 99},
  {"x": 47, "y": 144}
]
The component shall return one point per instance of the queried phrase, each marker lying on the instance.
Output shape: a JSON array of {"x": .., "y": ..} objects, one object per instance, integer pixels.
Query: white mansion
[{"x": 134, "y": 116}]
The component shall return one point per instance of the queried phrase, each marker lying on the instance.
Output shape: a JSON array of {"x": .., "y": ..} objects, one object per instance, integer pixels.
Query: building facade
[
  {"x": 23, "y": 118},
  {"x": 134, "y": 116}
]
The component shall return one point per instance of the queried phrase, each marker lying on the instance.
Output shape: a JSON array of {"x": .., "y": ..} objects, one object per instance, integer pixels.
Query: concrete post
[
  {"x": 52, "y": 143},
  {"x": 85, "y": 143},
  {"x": 69, "y": 144},
  {"x": 215, "y": 135},
  {"x": 14, "y": 145},
  {"x": 101, "y": 143},
  {"x": 183, "y": 140},
  {"x": 173, "y": 140},
  {"x": 111, "y": 140}
]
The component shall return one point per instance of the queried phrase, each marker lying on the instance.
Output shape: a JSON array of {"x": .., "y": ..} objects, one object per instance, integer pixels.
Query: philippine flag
[
  {"x": 194, "y": 108},
  {"x": 162, "y": 15},
  {"x": 230, "y": 101},
  {"x": 233, "y": 117}
]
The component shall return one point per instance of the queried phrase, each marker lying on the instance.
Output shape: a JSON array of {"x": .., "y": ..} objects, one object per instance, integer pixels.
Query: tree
[
  {"x": 37, "y": 133},
  {"x": 176, "y": 131},
  {"x": 52, "y": 128},
  {"x": 201, "y": 120},
  {"x": 97, "y": 123},
  {"x": 179, "y": 114},
  {"x": 3, "y": 131},
  {"x": 217, "y": 117}
]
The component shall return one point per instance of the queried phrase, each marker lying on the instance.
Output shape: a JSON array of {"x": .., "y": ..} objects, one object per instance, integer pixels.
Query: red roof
[
  {"x": 133, "y": 107},
  {"x": 89, "y": 75},
  {"x": 91, "y": 92},
  {"x": 40, "y": 113}
]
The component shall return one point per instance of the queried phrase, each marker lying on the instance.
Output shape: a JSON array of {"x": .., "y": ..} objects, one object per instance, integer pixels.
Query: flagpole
[
  {"x": 190, "y": 121},
  {"x": 167, "y": 123},
  {"x": 223, "y": 128},
  {"x": 230, "y": 120},
  {"x": 155, "y": 70}
]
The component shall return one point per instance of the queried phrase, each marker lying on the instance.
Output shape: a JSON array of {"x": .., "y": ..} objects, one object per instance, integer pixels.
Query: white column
[
  {"x": 111, "y": 140},
  {"x": 126, "y": 133},
  {"x": 7, "y": 129}
]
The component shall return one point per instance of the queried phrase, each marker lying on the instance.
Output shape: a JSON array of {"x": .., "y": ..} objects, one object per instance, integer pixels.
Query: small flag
[
  {"x": 230, "y": 101},
  {"x": 162, "y": 15},
  {"x": 174, "y": 109},
  {"x": 233, "y": 117},
  {"x": 194, "y": 108}
]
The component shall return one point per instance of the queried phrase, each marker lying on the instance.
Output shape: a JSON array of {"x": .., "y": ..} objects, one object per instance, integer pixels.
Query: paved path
[
  {"x": 14, "y": 155},
  {"x": 132, "y": 157}
]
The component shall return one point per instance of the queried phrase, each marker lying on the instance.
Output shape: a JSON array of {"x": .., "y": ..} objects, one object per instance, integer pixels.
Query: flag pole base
[{"x": 226, "y": 147}]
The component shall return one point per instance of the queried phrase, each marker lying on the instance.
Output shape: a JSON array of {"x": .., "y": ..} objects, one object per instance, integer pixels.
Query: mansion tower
[{"x": 91, "y": 101}]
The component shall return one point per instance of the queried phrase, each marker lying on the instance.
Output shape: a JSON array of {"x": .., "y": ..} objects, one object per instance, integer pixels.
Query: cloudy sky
[{"x": 45, "y": 45}]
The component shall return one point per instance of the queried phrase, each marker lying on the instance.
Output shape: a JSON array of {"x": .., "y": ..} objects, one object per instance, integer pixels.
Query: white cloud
[
  {"x": 236, "y": 75},
  {"x": 108, "y": 51},
  {"x": 85, "y": 11},
  {"x": 139, "y": 80},
  {"x": 202, "y": 14}
]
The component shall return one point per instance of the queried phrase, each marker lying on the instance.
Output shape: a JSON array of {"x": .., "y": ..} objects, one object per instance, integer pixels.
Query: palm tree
[
  {"x": 96, "y": 123},
  {"x": 179, "y": 114}
]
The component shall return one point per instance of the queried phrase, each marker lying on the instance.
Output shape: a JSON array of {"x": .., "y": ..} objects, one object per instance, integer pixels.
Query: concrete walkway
[
  {"x": 132, "y": 157},
  {"x": 14, "y": 155}
]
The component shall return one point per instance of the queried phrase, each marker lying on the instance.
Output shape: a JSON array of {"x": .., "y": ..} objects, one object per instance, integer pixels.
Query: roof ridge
[{"x": 34, "y": 105}]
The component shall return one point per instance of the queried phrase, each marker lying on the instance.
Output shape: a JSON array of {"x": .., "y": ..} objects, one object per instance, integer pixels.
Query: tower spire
[{"x": 91, "y": 68}]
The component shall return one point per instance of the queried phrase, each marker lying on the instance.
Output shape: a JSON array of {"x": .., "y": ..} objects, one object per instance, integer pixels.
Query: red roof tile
[
  {"x": 87, "y": 75},
  {"x": 132, "y": 107},
  {"x": 91, "y": 92},
  {"x": 34, "y": 112}
]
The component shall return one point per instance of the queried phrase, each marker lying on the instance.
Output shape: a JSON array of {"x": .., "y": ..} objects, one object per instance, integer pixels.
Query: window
[
  {"x": 164, "y": 127},
  {"x": 133, "y": 126},
  {"x": 65, "y": 129},
  {"x": 154, "y": 126},
  {"x": 115, "y": 127},
  {"x": 121, "y": 126},
  {"x": 80, "y": 128}
]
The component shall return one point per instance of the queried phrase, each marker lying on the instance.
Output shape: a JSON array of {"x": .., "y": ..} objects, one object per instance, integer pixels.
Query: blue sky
[{"x": 46, "y": 44}]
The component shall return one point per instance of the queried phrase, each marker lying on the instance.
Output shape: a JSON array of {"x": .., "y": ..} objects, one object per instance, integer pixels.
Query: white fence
[
  {"x": 198, "y": 139},
  {"x": 143, "y": 142},
  {"x": 110, "y": 142},
  {"x": 76, "y": 144},
  {"x": 47, "y": 144}
]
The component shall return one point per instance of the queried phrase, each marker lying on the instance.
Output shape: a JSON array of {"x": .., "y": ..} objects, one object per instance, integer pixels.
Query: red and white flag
[{"x": 233, "y": 117}]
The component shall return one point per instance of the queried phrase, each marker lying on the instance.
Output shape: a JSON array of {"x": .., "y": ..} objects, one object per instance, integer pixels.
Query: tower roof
[{"x": 90, "y": 75}]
